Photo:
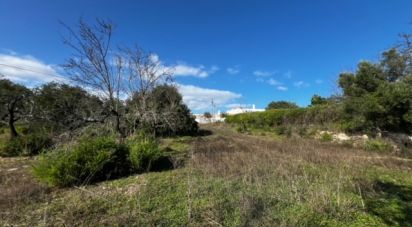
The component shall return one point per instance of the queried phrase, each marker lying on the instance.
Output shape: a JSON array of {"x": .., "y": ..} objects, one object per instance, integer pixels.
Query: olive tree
[
  {"x": 14, "y": 104},
  {"x": 65, "y": 107}
]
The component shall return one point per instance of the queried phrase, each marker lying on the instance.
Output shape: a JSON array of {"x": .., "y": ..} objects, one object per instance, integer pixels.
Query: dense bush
[
  {"x": 63, "y": 107},
  {"x": 162, "y": 113},
  {"x": 101, "y": 158},
  {"x": 326, "y": 137},
  {"x": 88, "y": 161},
  {"x": 30, "y": 144},
  {"x": 143, "y": 152},
  {"x": 281, "y": 105},
  {"x": 319, "y": 114}
]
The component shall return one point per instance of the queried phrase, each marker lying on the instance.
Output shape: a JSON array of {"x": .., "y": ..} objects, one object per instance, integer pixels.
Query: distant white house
[
  {"x": 201, "y": 119},
  {"x": 240, "y": 109}
]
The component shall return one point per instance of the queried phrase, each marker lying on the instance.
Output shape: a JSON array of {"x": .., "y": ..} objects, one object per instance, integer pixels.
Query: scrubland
[{"x": 226, "y": 178}]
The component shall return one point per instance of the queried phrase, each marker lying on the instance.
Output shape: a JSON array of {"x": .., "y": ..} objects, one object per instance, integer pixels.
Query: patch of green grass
[
  {"x": 326, "y": 137},
  {"x": 176, "y": 145},
  {"x": 377, "y": 145},
  {"x": 389, "y": 197}
]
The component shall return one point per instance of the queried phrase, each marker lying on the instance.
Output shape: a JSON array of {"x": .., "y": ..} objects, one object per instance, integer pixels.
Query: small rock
[
  {"x": 13, "y": 169},
  {"x": 341, "y": 137}
]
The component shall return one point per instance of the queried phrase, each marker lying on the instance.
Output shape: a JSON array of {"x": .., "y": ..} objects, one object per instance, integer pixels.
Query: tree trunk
[
  {"x": 13, "y": 131},
  {"x": 118, "y": 127}
]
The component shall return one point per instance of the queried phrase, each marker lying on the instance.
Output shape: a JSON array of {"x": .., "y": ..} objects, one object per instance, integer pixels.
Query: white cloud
[
  {"x": 274, "y": 82},
  {"x": 264, "y": 73},
  {"x": 282, "y": 88},
  {"x": 318, "y": 81},
  {"x": 239, "y": 105},
  {"x": 197, "y": 98},
  {"x": 183, "y": 69},
  {"x": 28, "y": 70},
  {"x": 187, "y": 70},
  {"x": 300, "y": 84},
  {"x": 214, "y": 69},
  {"x": 233, "y": 70}
]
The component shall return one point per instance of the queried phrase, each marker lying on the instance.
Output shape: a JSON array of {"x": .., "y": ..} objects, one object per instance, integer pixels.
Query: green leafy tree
[
  {"x": 378, "y": 96},
  {"x": 318, "y": 100},
  {"x": 165, "y": 113},
  {"x": 14, "y": 104},
  {"x": 281, "y": 105},
  {"x": 65, "y": 107}
]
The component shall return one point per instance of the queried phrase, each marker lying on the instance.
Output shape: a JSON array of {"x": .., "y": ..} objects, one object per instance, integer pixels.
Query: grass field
[{"x": 226, "y": 179}]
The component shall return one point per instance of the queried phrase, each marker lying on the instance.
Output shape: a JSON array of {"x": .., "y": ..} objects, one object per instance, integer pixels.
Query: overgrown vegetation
[
  {"x": 31, "y": 144},
  {"x": 319, "y": 114},
  {"x": 88, "y": 161},
  {"x": 230, "y": 179},
  {"x": 143, "y": 153},
  {"x": 281, "y": 105}
]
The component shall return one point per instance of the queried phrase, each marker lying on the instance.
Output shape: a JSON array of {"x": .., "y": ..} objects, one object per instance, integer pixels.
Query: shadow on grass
[
  {"x": 391, "y": 202},
  {"x": 163, "y": 163},
  {"x": 204, "y": 132}
]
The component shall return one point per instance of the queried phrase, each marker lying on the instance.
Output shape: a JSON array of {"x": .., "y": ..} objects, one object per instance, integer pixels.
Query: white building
[
  {"x": 239, "y": 110},
  {"x": 201, "y": 119}
]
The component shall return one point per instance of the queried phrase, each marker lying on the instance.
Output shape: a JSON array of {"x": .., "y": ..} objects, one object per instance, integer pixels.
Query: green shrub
[
  {"x": 283, "y": 130},
  {"x": 31, "y": 144},
  {"x": 302, "y": 131},
  {"x": 326, "y": 137},
  {"x": 88, "y": 161},
  {"x": 377, "y": 145},
  {"x": 242, "y": 128},
  {"x": 143, "y": 152},
  {"x": 23, "y": 129}
]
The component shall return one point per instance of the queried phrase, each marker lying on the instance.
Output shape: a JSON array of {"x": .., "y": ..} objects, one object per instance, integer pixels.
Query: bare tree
[
  {"x": 116, "y": 73},
  {"x": 95, "y": 65}
]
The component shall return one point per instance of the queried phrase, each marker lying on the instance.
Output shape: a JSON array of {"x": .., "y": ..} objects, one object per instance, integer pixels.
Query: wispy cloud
[
  {"x": 282, "y": 88},
  {"x": 300, "y": 84},
  {"x": 238, "y": 105},
  {"x": 198, "y": 98},
  {"x": 187, "y": 70},
  {"x": 184, "y": 69},
  {"x": 28, "y": 70},
  {"x": 288, "y": 74},
  {"x": 261, "y": 73},
  {"x": 273, "y": 82},
  {"x": 318, "y": 81},
  {"x": 233, "y": 70}
]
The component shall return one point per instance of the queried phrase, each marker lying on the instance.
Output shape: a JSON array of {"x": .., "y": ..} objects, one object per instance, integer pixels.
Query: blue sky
[{"x": 235, "y": 52}]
